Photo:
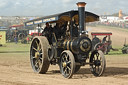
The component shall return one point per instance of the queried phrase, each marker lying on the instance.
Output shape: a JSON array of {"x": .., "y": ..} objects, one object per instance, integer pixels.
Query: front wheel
[
  {"x": 67, "y": 64},
  {"x": 97, "y": 63}
]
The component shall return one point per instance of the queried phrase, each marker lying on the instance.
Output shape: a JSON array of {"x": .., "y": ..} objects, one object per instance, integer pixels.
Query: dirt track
[{"x": 15, "y": 69}]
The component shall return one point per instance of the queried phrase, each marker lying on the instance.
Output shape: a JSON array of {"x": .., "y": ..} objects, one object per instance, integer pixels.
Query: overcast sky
[{"x": 49, "y": 7}]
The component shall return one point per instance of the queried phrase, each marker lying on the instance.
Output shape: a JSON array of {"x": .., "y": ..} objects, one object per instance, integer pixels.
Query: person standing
[
  {"x": 48, "y": 32},
  {"x": 16, "y": 36},
  {"x": 104, "y": 39}
]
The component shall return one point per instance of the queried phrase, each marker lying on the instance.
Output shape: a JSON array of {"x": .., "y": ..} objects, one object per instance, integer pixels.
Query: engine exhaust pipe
[{"x": 81, "y": 10}]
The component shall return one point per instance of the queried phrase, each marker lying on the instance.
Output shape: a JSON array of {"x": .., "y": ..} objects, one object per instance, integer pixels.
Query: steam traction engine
[{"x": 70, "y": 52}]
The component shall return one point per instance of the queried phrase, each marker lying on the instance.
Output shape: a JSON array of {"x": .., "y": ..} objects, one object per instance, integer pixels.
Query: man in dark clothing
[
  {"x": 104, "y": 39},
  {"x": 95, "y": 40},
  {"x": 16, "y": 36},
  {"x": 48, "y": 32},
  {"x": 57, "y": 30},
  {"x": 63, "y": 29}
]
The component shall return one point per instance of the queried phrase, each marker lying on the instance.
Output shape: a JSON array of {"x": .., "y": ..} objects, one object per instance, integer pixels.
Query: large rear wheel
[
  {"x": 39, "y": 54},
  {"x": 97, "y": 63},
  {"x": 67, "y": 64}
]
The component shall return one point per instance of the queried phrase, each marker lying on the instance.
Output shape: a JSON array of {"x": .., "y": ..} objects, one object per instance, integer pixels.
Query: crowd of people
[{"x": 112, "y": 24}]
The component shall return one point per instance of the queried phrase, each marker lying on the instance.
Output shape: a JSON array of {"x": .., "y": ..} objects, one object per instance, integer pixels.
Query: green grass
[
  {"x": 22, "y": 49},
  {"x": 12, "y": 47},
  {"x": 119, "y": 52},
  {"x": 14, "y": 53}
]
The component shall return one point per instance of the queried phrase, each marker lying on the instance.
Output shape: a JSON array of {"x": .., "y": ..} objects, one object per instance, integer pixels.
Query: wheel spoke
[
  {"x": 41, "y": 53},
  {"x": 40, "y": 59},
  {"x": 39, "y": 50},
  {"x": 69, "y": 62},
  {"x": 36, "y": 64},
  {"x": 94, "y": 58},
  {"x": 63, "y": 59},
  {"x": 33, "y": 57},
  {"x": 97, "y": 55},
  {"x": 37, "y": 44},
  {"x": 65, "y": 71},
  {"x": 34, "y": 48},
  {"x": 39, "y": 47},
  {"x": 39, "y": 62},
  {"x": 66, "y": 56},
  {"x": 97, "y": 69},
  {"x": 69, "y": 68}
]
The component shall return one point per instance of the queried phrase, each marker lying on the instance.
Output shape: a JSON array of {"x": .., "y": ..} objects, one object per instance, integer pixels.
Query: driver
[
  {"x": 104, "y": 39},
  {"x": 48, "y": 32}
]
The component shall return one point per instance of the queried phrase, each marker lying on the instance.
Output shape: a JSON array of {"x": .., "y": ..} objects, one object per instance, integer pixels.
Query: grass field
[{"x": 11, "y": 47}]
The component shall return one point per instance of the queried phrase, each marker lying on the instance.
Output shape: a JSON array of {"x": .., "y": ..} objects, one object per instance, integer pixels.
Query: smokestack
[{"x": 81, "y": 10}]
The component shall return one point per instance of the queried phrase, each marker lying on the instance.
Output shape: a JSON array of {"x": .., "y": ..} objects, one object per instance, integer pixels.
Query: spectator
[{"x": 104, "y": 39}]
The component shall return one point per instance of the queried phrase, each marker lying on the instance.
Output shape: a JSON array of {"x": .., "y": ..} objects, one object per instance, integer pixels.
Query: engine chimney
[{"x": 81, "y": 10}]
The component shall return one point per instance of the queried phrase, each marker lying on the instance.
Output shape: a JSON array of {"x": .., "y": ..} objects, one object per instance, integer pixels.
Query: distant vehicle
[
  {"x": 125, "y": 48},
  {"x": 16, "y": 30},
  {"x": 65, "y": 44},
  {"x": 104, "y": 44}
]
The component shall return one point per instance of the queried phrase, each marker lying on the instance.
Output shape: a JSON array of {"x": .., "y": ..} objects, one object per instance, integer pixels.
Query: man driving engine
[{"x": 48, "y": 32}]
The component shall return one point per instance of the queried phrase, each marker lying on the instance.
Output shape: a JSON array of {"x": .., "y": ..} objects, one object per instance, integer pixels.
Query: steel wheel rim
[
  {"x": 97, "y": 64},
  {"x": 36, "y": 55},
  {"x": 67, "y": 64}
]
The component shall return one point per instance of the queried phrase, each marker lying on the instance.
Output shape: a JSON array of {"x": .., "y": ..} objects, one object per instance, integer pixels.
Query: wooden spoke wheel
[
  {"x": 97, "y": 63},
  {"x": 67, "y": 64},
  {"x": 39, "y": 54}
]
